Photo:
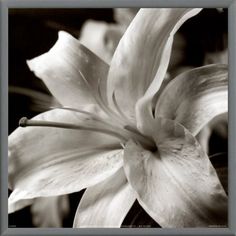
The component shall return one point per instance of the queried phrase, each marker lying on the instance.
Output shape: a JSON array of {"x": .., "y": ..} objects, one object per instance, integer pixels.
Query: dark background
[{"x": 34, "y": 31}]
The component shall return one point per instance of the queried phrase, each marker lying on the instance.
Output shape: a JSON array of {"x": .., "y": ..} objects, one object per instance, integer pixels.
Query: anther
[
  {"x": 122, "y": 114},
  {"x": 23, "y": 122}
]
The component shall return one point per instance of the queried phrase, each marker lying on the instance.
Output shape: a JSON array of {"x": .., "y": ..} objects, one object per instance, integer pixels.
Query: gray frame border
[{"x": 5, "y": 4}]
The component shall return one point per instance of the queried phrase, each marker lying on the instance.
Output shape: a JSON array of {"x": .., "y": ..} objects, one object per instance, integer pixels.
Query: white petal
[
  {"x": 143, "y": 54},
  {"x": 176, "y": 185},
  {"x": 60, "y": 70},
  {"x": 52, "y": 161},
  {"x": 195, "y": 97},
  {"x": 19, "y": 205},
  {"x": 105, "y": 204}
]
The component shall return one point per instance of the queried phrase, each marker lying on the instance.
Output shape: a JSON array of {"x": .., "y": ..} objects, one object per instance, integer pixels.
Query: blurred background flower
[{"x": 202, "y": 40}]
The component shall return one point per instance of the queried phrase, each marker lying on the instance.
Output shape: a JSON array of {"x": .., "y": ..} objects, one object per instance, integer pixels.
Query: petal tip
[
  {"x": 65, "y": 37},
  {"x": 64, "y": 34},
  {"x": 30, "y": 64}
]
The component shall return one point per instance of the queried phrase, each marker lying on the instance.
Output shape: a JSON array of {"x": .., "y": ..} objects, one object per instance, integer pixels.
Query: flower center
[{"x": 116, "y": 124}]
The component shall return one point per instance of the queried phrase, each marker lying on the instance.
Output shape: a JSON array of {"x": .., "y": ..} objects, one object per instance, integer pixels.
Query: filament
[
  {"x": 123, "y": 115},
  {"x": 218, "y": 154},
  {"x": 97, "y": 99},
  {"x": 140, "y": 137},
  {"x": 31, "y": 93},
  {"x": 109, "y": 111},
  {"x": 91, "y": 115},
  {"x": 24, "y": 122},
  {"x": 40, "y": 101}
]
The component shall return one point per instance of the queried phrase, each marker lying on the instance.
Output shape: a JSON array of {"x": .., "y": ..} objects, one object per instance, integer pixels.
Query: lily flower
[{"x": 117, "y": 136}]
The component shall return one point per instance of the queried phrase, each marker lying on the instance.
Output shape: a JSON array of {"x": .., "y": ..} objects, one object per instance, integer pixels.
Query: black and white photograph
[{"x": 118, "y": 118}]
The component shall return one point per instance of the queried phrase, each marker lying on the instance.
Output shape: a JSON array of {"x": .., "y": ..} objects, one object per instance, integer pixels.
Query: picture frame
[{"x": 5, "y": 5}]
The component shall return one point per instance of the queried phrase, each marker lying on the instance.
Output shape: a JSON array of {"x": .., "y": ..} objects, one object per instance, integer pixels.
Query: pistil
[
  {"x": 24, "y": 122},
  {"x": 122, "y": 134},
  {"x": 117, "y": 125}
]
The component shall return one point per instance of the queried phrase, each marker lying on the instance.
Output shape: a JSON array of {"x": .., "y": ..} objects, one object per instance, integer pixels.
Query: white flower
[{"x": 117, "y": 136}]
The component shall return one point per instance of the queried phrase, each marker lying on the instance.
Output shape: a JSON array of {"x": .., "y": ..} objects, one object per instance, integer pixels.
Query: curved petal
[
  {"x": 52, "y": 161},
  {"x": 195, "y": 97},
  {"x": 105, "y": 204},
  {"x": 177, "y": 184},
  {"x": 143, "y": 54},
  {"x": 60, "y": 70},
  {"x": 203, "y": 137},
  {"x": 19, "y": 205}
]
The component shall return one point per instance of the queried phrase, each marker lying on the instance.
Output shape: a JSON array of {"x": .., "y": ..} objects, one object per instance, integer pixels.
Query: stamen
[
  {"x": 97, "y": 118},
  {"x": 217, "y": 154},
  {"x": 91, "y": 115},
  {"x": 109, "y": 111},
  {"x": 104, "y": 106},
  {"x": 100, "y": 92},
  {"x": 40, "y": 101},
  {"x": 123, "y": 115},
  {"x": 97, "y": 99},
  {"x": 31, "y": 93},
  {"x": 24, "y": 122}
]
